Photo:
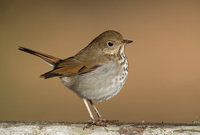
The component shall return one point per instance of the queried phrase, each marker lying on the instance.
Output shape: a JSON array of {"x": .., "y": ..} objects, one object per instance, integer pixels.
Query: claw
[{"x": 89, "y": 124}]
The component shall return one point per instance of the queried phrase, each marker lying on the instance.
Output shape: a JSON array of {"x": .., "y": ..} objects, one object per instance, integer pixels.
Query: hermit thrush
[{"x": 97, "y": 72}]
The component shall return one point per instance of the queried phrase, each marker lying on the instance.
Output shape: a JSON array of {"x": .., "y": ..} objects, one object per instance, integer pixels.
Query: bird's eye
[{"x": 110, "y": 43}]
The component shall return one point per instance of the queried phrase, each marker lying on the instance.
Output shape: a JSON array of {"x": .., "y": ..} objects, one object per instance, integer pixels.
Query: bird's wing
[{"x": 71, "y": 66}]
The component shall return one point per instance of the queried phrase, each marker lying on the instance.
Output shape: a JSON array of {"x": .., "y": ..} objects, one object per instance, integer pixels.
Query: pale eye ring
[{"x": 110, "y": 43}]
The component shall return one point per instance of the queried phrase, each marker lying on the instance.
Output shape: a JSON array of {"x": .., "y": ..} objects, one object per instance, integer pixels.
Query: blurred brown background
[{"x": 164, "y": 74}]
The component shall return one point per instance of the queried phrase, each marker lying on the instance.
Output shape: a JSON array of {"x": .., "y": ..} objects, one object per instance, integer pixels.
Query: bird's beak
[{"x": 127, "y": 41}]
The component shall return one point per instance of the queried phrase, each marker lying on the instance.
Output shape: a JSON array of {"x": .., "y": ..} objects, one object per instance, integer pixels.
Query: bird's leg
[
  {"x": 90, "y": 123},
  {"x": 88, "y": 108},
  {"x": 99, "y": 122},
  {"x": 95, "y": 109},
  {"x": 102, "y": 122}
]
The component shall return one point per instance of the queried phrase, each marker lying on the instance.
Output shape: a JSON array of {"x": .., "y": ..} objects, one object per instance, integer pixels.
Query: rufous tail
[{"x": 47, "y": 58}]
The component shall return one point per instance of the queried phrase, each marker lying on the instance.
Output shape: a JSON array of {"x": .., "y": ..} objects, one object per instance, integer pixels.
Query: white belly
[{"x": 102, "y": 83}]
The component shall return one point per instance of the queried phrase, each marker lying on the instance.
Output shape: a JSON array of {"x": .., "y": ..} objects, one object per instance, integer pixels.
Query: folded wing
[{"x": 70, "y": 67}]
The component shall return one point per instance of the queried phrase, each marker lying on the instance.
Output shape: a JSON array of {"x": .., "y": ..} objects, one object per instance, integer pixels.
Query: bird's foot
[
  {"x": 95, "y": 123},
  {"x": 89, "y": 124},
  {"x": 100, "y": 122}
]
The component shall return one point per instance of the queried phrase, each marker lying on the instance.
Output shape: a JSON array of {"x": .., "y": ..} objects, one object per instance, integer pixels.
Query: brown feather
[
  {"x": 70, "y": 67},
  {"x": 48, "y": 58}
]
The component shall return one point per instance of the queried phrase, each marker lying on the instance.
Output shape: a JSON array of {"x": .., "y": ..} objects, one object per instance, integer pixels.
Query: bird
[{"x": 96, "y": 73}]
